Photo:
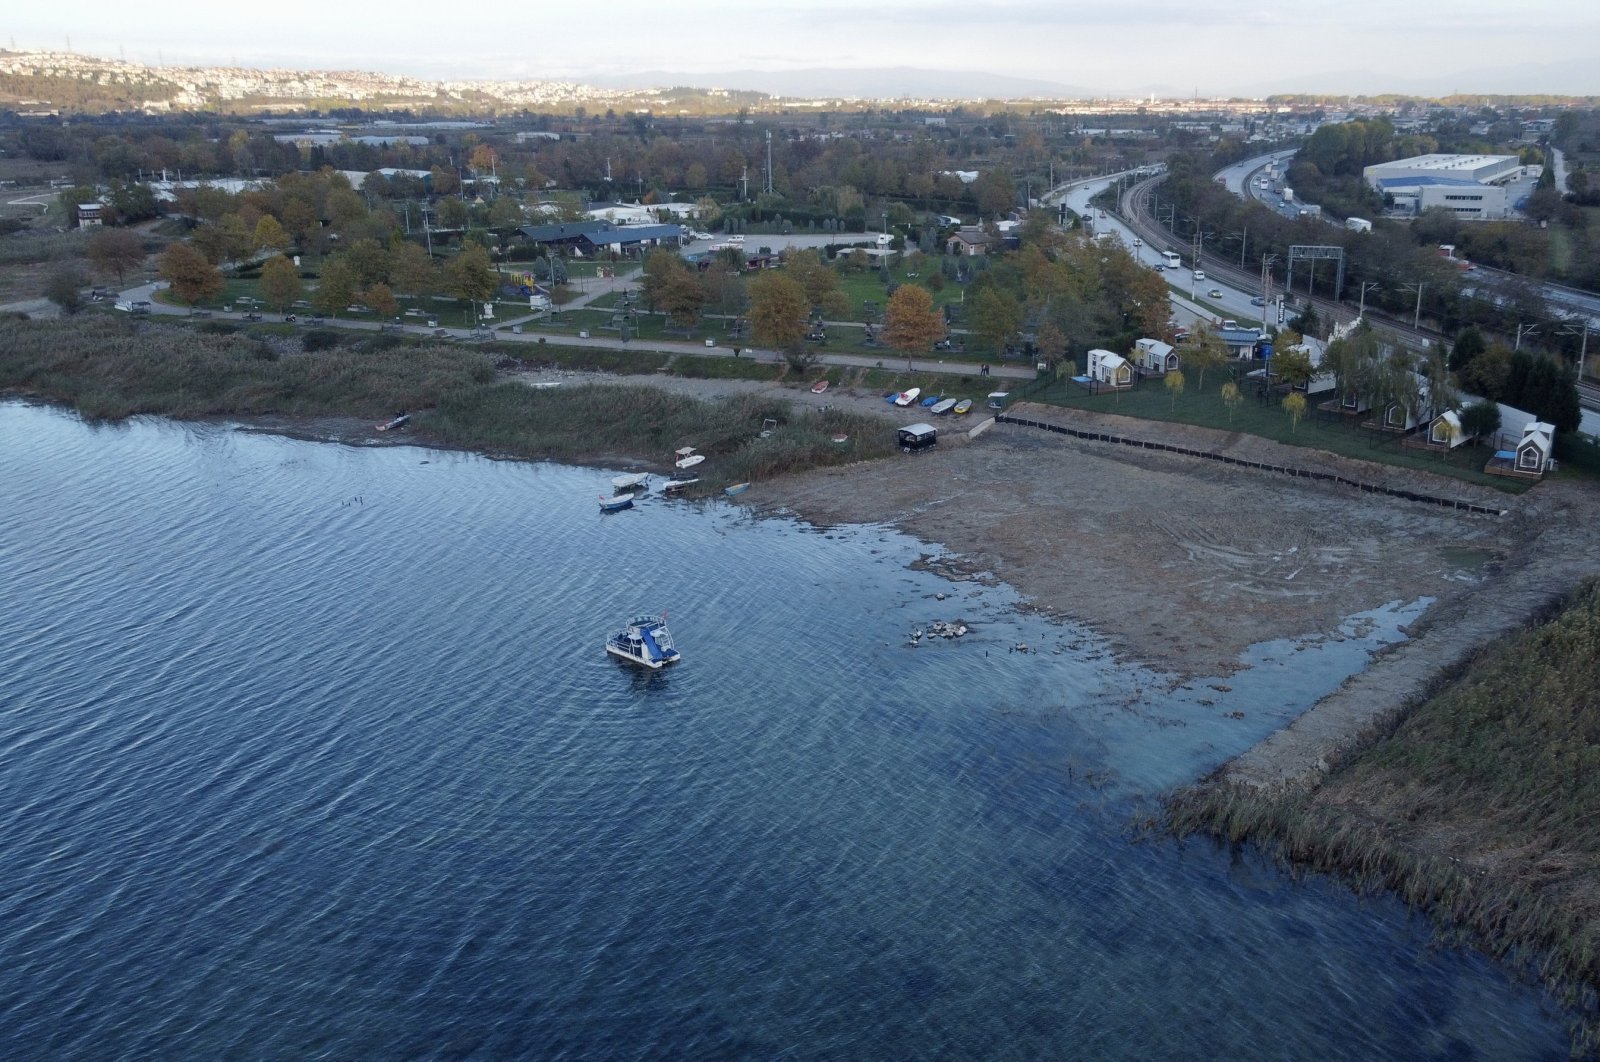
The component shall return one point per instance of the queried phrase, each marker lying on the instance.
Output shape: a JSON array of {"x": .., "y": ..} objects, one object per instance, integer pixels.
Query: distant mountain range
[{"x": 887, "y": 83}]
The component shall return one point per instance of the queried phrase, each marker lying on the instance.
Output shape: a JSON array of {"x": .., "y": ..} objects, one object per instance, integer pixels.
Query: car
[
  {"x": 1214, "y": 293},
  {"x": 702, "y": 236},
  {"x": 1180, "y": 335},
  {"x": 1259, "y": 300},
  {"x": 1158, "y": 267}
]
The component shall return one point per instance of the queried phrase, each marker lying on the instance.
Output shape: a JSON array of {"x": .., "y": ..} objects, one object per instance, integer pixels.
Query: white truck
[
  {"x": 1358, "y": 224},
  {"x": 1288, "y": 195}
]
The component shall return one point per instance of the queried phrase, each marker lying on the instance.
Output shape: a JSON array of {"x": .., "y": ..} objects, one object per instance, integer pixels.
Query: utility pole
[
  {"x": 1418, "y": 286},
  {"x": 1583, "y": 348},
  {"x": 744, "y": 180},
  {"x": 1243, "y": 236},
  {"x": 1267, "y": 261},
  {"x": 769, "y": 161},
  {"x": 1524, "y": 330},
  {"x": 1365, "y": 287}
]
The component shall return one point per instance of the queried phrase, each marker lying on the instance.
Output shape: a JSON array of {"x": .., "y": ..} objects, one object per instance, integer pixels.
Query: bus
[{"x": 1171, "y": 260}]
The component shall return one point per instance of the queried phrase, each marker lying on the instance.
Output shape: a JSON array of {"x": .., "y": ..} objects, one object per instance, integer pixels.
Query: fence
[{"x": 1260, "y": 466}]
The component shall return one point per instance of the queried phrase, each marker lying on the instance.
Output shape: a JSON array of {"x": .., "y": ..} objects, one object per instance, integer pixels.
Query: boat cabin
[
  {"x": 998, "y": 399},
  {"x": 914, "y": 438}
]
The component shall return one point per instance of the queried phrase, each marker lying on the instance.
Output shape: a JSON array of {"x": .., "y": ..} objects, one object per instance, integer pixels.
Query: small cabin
[
  {"x": 998, "y": 399},
  {"x": 914, "y": 438},
  {"x": 1536, "y": 448},
  {"x": 1241, "y": 342},
  {"x": 1152, "y": 355},
  {"x": 1110, "y": 370},
  {"x": 1445, "y": 430}
]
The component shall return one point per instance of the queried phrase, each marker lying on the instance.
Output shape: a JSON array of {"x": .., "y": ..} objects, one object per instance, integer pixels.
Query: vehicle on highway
[
  {"x": 1258, "y": 301},
  {"x": 1199, "y": 274},
  {"x": 1171, "y": 260},
  {"x": 1214, "y": 293}
]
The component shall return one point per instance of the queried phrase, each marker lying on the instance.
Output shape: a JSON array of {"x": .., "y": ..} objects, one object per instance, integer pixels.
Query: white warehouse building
[{"x": 1473, "y": 186}]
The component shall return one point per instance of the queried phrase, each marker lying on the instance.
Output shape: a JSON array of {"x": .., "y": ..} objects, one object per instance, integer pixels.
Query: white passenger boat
[
  {"x": 687, "y": 458},
  {"x": 631, "y": 480},
  {"x": 644, "y": 641}
]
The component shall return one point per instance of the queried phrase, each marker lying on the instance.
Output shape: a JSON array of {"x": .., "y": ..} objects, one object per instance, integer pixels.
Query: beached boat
[
  {"x": 631, "y": 480},
  {"x": 644, "y": 641},
  {"x": 841, "y": 438},
  {"x": 395, "y": 423},
  {"x": 819, "y": 387},
  {"x": 892, "y": 397},
  {"x": 963, "y": 406},
  {"x": 737, "y": 488},
  {"x": 943, "y": 406},
  {"x": 930, "y": 401},
  {"x": 908, "y": 397},
  {"x": 680, "y": 481},
  {"x": 616, "y": 503},
  {"x": 687, "y": 458}
]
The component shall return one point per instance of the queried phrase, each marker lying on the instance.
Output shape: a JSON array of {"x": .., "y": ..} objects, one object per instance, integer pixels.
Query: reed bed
[
  {"x": 1481, "y": 807},
  {"x": 109, "y": 368}
]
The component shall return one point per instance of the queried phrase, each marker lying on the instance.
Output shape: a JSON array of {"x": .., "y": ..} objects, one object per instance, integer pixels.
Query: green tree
[
  {"x": 370, "y": 259},
  {"x": 380, "y": 299},
  {"x": 1174, "y": 383},
  {"x": 1231, "y": 398},
  {"x": 280, "y": 283},
  {"x": 778, "y": 308},
  {"x": 192, "y": 278},
  {"x": 1292, "y": 366},
  {"x": 995, "y": 193},
  {"x": 336, "y": 286},
  {"x": 911, "y": 324},
  {"x": 270, "y": 235},
  {"x": 471, "y": 275},
  {"x": 1294, "y": 404},
  {"x": 115, "y": 251},
  {"x": 1468, "y": 345},
  {"x": 1202, "y": 352},
  {"x": 995, "y": 316},
  {"x": 411, "y": 270},
  {"x": 682, "y": 298},
  {"x": 65, "y": 289}
]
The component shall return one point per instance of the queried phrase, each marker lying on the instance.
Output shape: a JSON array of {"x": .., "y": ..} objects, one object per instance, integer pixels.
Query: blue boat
[
  {"x": 616, "y": 504},
  {"x": 737, "y": 488},
  {"x": 930, "y": 401}
]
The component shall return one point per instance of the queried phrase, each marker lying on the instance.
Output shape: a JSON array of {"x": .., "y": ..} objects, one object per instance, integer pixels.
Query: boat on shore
[
  {"x": 679, "y": 481},
  {"x": 820, "y": 386},
  {"x": 644, "y": 641},
  {"x": 963, "y": 406},
  {"x": 631, "y": 480},
  {"x": 943, "y": 406},
  {"x": 687, "y": 458},
  {"x": 931, "y": 401},
  {"x": 737, "y": 488},
  {"x": 905, "y": 398},
  {"x": 397, "y": 422},
  {"x": 616, "y": 503}
]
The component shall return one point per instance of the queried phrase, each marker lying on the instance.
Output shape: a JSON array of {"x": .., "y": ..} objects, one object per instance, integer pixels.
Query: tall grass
[
  {"x": 26, "y": 247},
  {"x": 581, "y": 422},
  {"x": 109, "y": 367},
  {"x": 1482, "y": 807}
]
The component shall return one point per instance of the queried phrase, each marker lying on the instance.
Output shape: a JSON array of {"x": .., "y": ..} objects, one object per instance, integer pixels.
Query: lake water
[{"x": 311, "y": 750}]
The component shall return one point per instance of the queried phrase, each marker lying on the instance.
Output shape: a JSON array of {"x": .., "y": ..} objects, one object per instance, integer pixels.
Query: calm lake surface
[{"x": 313, "y": 751}]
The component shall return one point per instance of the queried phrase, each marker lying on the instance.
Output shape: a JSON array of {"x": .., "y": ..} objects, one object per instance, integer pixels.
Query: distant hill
[{"x": 901, "y": 82}]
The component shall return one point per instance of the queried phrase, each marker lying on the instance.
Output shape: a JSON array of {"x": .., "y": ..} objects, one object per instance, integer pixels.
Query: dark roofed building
[{"x": 588, "y": 237}]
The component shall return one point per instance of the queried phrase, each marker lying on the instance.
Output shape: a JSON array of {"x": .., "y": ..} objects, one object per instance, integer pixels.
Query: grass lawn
[{"x": 1335, "y": 433}]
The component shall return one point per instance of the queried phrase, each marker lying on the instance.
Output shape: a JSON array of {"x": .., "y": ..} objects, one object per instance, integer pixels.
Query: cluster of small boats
[
  {"x": 630, "y": 485},
  {"x": 934, "y": 404}
]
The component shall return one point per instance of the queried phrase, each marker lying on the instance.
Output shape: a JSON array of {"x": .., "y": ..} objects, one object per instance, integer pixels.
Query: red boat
[{"x": 820, "y": 386}]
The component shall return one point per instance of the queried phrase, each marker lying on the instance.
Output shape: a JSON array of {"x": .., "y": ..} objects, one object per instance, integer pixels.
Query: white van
[
  {"x": 884, "y": 239},
  {"x": 1199, "y": 274}
]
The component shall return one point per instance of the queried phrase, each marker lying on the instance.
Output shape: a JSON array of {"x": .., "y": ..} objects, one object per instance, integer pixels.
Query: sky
[{"x": 1106, "y": 47}]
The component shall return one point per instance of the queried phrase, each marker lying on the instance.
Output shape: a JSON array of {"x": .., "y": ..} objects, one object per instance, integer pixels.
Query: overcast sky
[{"x": 1107, "y": 46}]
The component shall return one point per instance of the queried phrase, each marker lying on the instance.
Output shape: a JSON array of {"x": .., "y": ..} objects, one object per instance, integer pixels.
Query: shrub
[{"x": 320, "y": 339}]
